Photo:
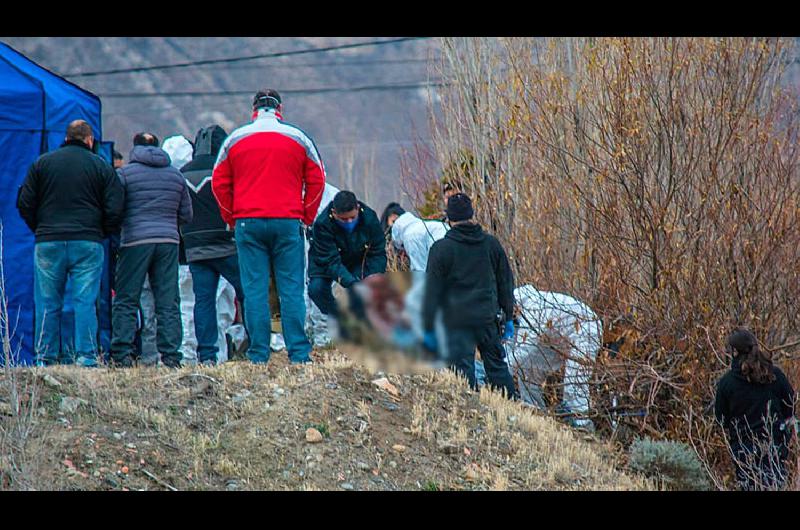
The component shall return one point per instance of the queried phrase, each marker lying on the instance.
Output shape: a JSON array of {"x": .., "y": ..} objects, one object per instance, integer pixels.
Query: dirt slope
[{"x": 238, "y": 426}]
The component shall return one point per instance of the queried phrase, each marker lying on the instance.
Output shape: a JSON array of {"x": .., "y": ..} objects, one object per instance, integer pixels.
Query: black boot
[{"x": 123, "y": 362}]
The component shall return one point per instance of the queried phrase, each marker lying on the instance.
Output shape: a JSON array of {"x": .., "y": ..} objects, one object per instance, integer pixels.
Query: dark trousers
[
  {"x": 461, "y": 343},
  {"x": 158, "y": 262},
  {"x": 320, "y": 290},
  {"x": 205, "y": 279},
  {"x": 760, "y": 465}
]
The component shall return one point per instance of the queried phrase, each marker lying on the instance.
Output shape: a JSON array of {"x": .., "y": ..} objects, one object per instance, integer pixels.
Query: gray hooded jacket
[{"x": 156, "y": 198}]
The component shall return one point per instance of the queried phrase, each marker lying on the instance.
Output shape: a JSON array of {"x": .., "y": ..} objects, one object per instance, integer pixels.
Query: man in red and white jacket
[{"x": 268, "y": 181}]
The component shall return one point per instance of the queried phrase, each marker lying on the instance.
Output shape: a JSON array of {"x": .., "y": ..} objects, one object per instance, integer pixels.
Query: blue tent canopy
[{"x": 36, "y": 106}]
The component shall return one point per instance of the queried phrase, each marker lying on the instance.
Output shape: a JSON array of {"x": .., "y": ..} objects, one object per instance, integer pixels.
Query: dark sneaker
[
  {"x": 124, "y": 362},
  {"x": 171, "y": 363}
]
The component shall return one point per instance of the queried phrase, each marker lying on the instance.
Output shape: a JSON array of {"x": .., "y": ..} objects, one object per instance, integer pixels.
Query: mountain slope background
[{"x": 359, "y": 134}]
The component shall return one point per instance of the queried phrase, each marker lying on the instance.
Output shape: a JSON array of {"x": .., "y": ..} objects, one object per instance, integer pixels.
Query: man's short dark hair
[
  {"x": 345, "y": 201},
  {"x": 144, "y": 138},
  {"x": 79, "y": 130},
  {"x": 266, "y": 99},
  {"x": 117, "y": 155}
]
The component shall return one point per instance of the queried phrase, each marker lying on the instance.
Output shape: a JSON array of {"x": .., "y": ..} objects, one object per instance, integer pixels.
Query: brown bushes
[{"x": 655, "y": 179}]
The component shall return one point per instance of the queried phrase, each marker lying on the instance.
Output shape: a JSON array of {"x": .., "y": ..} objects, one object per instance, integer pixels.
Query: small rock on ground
[
  {"x": 313, "y": 435},
  {"x": 70, "y": 404},
  {"x": 51, "y": 381},
  {"x": 241, "y": 396}
]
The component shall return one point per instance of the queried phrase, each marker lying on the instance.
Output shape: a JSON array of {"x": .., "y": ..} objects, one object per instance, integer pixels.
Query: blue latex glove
[
  {"x": 508, "y": 332},
  {"x": 403, "y": 338},
  {"x": 429, "y": 341}
]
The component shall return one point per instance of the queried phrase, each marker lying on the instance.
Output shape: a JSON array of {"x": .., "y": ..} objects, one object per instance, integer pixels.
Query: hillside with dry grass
[{"x": 330, "y": 425}]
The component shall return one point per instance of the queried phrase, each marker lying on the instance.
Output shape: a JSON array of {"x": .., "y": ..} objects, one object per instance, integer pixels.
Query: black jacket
[
  {"x": 71, "y": 194},
  {"x": 206, "y": 236},
  {"x": 739, "y": 404},
  {"x": 468, "y": 276},
  {"x": 338, "y": 255}
]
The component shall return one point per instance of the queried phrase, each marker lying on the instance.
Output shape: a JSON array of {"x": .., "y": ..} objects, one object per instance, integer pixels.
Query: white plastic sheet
[
  {"x": 149, "y": 352},
  {"x": 189, "y": 343},
  {"x": 226, "y": 313},
  {"x": 316, "y": 325}
]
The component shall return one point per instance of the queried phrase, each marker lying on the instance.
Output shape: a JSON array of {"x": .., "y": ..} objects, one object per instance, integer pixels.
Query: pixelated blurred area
[{"x": 375, "y": 326}]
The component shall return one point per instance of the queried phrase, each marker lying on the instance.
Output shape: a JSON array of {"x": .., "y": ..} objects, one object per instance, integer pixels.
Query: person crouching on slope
[{"x": 347, "y": 245}]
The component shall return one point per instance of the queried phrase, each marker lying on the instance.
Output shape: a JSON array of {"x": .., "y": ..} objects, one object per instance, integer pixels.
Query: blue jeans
[
  {"x": 57, "y": 261},
  {"x": 276, "y": 243},
  {"x": 205, "y": 279}
]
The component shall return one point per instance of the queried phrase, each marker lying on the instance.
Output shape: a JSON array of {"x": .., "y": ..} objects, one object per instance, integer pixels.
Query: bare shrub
[
  {"x": 20, "y": 455},
  {"x": 656, "y": 179}
]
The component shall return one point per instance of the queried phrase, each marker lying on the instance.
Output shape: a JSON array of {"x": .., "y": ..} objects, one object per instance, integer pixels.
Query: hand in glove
[
  {"x": 508, "y": 332},
  {"x": 429, "y": 341}
]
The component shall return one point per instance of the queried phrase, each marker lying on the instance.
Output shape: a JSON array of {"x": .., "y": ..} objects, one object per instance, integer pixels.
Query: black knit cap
[{"x": 459, "y": 208}]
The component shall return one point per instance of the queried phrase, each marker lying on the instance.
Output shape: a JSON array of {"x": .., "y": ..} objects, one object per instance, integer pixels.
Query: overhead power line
[
  {"x": 328, "y": 64},
  {"x": 301, "y": 91},
  {"x": 245, "y": 58}
]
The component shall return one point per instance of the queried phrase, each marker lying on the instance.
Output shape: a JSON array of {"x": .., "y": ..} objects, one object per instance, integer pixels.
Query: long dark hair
[
  {"x": 391, "y": 208},
  {"x": 756, "y": 365}
]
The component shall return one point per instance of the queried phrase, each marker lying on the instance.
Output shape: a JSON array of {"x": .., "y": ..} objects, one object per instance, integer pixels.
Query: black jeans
[
  {"x": 159, "y": 262},
  {"x": 461, "y": 343},
  {"x": 760, "y": 465},
  {"x": 320, "y": 290},
  {"x": 205, "y": 279}
]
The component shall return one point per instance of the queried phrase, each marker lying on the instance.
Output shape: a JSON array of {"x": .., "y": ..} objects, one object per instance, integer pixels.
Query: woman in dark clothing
[{"x": 755, "y": 405}]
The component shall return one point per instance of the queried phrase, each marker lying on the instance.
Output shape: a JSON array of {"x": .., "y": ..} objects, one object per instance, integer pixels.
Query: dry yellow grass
[{"x": 240, "y": 426}]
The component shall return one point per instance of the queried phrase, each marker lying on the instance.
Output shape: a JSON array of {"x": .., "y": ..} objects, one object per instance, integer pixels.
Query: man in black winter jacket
[
  {"x": 347, "y": 245},
  {"x": 469, "y": 279},
  {"x": 208, "y": 243},
  {"x": 71, "y": 199}
]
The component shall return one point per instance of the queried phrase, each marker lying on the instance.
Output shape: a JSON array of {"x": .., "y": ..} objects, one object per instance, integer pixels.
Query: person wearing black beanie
[
  {"x": 469, "y": 278},
  {"x": 459, "y": 208}
]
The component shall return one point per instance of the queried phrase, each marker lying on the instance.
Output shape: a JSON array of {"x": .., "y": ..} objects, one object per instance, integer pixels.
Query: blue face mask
[{"x": 347, "y": 226}]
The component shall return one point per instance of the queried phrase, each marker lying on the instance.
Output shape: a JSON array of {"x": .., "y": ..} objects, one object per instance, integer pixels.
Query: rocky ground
[{"x": 331, "y": 425}]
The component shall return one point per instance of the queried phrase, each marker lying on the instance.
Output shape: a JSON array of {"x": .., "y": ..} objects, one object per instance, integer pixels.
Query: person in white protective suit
[
  {"x": 180, "y": 151},
  {"x": 415, "y": 236},
  {"x": 316, "y": 321},
  {"x": 555, "y": 330}
]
